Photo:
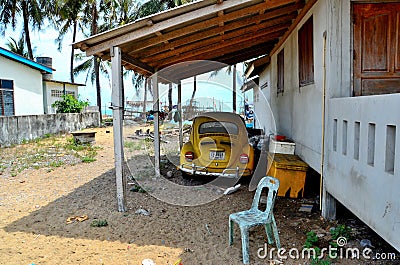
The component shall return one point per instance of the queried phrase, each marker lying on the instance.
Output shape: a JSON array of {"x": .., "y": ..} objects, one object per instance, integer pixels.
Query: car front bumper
[{"x": 226, "y": 173}]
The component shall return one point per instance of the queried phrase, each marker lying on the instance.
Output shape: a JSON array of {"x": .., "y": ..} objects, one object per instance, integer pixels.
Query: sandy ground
[{"x": 35, "y": 204}]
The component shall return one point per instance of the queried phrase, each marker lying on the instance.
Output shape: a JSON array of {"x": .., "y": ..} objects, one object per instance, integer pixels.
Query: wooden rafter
[
  {"x": 220, "y": 41},
  {"x": 214, "y": 22},
  {"x": 276, "y": 17},
  {"x": 174, "y": 21}
]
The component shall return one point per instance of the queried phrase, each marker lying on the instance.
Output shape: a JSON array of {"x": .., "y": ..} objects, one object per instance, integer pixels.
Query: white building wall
[
  {"x": 368, "y": 190},
  {"x": 298, "y": 110},
  {"x": 28, "y": 88},
  {"x": 264, "y": 117},
  {"x": 59, "y": 87}
]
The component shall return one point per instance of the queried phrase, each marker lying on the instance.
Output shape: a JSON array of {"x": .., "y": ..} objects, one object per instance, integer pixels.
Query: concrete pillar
[
  {"x": 118, "y": 109},
  {"x": 156, "y": 108},
  {"x": 328, "y": 205}
]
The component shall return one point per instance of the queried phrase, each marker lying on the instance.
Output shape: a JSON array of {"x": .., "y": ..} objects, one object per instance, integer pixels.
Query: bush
[{"x": 69, "y": 104}]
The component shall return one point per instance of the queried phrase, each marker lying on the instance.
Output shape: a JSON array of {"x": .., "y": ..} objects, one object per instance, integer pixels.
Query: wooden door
[{"x": 376, "y": 48}]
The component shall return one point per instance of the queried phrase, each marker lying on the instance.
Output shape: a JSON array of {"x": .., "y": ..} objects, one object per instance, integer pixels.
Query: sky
[{"x": 44, "y": 45}]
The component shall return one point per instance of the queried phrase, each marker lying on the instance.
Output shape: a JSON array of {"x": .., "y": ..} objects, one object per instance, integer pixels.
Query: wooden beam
[
  {"x": 220, "y": 41},
  {"x": 227, "y": 51},
  {"x": 271, "y": 18},
  {"x": 193, "y": 68},
  {"x": 169, "y": 23},
  {"x": 303, "y": 12},
  {"x": 129, "y": 59},
  {"x": 209, "y": 23},
  {"x": 117, "y": 105},
  {"x": 241, "y": 56}
]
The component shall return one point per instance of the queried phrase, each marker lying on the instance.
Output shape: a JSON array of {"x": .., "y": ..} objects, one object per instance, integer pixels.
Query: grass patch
[
  {"x": 99, "y": 223},
  {"x": 57, "y": 163},
  {"x": 88, "y": 159},
  {"x": 45, "y": 152}
]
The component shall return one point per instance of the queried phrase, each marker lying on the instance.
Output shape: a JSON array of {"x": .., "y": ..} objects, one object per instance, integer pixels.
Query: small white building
[
  {"x": 21, "y": 85},
  {"x": 54, "y": 90},
  {"x": 27, "y": 87},
  {"x": 333, "y": 84}
]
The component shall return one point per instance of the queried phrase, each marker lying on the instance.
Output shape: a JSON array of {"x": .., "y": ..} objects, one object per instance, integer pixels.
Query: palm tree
[
  {"x": 68, "y": 16},
  {"x": 31, "y": 12},
  {"x": 18, "y": 47}
]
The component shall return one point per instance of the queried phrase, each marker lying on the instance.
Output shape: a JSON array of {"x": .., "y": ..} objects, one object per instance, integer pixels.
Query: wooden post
[
  {"x": 156, "y": 108},
  {"x": 180, "y": 115},
  {"x": 117, "y": 107},
  {"x": 234, "y": 89}
]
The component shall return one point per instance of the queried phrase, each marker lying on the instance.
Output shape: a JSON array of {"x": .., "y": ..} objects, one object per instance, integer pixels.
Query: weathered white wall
[
  {"x": 15, "y": 129},
  {"x": 298, "y": 111},
  {"x": 56, "y": 86},
  {"x": 369, "y": 191},
  {"x": 264, "y": 117},
  {"x": 28, "y": 89}
]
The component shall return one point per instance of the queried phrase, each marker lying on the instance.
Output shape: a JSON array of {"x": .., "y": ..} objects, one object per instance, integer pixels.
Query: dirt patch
[{"x": 36, "y": 203}]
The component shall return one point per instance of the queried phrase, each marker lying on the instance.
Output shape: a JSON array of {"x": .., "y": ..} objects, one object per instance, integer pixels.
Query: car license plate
[{"x": 217, "y": 155}]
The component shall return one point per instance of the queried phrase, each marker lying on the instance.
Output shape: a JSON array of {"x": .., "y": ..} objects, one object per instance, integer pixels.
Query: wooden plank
[
  {"x": 145, "y": 67},
  {"x": 251, "y": 53},
  {"x": 303, "y": 12},
  {"x": 193, "y": 68},
  {"x": 117, "y": 104},
  {"x": 213, "y": 22},
  {"x": 159, "y": 27},
  {"x": 274, "y": 17},
  {"x": 209, "y": 45},
  {"x": 216, "y": 50}
]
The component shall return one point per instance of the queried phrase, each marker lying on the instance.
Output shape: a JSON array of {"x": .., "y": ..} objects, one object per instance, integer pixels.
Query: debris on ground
[
  {"x": 142, "y": 212},
  {"x": 79, "y": 218},
  {"x": 148, "y": 262},
  {"x": 231, "y": 190},
  {"x": 306, "y": 208}
]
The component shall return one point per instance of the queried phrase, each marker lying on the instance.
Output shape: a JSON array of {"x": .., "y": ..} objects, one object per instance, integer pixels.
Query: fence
[{"x": 15, "y": 129}]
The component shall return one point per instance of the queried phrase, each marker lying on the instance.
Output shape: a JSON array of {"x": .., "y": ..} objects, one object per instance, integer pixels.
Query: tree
[
  {"x": 31, "y": 13},
  {"x": 18, "y": 47},
  {"x": 68, "y": 17}
]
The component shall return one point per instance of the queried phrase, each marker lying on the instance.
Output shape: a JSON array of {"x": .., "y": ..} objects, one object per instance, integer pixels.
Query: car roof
[{"x": 218, "y": 115}]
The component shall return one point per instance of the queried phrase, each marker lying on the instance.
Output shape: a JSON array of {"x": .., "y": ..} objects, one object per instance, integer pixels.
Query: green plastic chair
[{"x": 255, "y": 217}]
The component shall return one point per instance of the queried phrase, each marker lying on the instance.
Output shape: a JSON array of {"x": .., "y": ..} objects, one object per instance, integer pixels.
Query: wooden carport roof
[{"x": 228, "y": 32}]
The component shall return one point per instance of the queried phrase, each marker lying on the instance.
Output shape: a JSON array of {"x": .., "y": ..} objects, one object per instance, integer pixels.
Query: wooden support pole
[
  {"x": 156, "y": 108},
  {"x": 118, "y": 108},
  {"x": 180, "y": 115},
  {"x": 234, "y": 88}
]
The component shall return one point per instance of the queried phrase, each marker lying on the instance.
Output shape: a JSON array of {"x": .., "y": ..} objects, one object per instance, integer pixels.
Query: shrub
[{"x": 69, "y": 104}]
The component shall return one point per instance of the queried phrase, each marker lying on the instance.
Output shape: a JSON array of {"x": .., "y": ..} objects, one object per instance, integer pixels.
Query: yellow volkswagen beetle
[{"x": 218, "y": 146}]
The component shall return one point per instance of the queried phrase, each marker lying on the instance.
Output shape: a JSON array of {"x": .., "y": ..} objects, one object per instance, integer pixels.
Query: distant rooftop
[{"x": 20, "y": 59}]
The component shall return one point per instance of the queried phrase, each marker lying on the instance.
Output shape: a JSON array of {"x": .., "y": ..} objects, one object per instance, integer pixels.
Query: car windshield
[{"x": 218, "y": 127}]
